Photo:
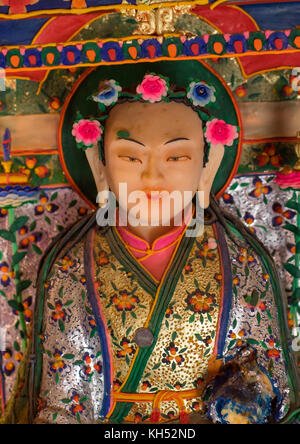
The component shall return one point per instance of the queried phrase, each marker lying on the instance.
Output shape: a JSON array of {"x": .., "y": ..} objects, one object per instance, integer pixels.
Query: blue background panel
[
  {"x": 275, "y": 16},
  {"x": 20, "y": 32}
]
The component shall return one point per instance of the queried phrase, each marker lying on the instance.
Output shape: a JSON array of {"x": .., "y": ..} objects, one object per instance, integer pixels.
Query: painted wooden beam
[
  {"x": 34, "y": 132},
  {"x": 261, "y": 120}
]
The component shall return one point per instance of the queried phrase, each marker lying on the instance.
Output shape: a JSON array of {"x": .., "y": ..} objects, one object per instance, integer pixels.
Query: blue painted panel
[
  {"x": 49, "y": 4},
  {"x": 60, "y": 4},
  {"x": 20, "y": 32},
  {"x": 275, "y": 16}
]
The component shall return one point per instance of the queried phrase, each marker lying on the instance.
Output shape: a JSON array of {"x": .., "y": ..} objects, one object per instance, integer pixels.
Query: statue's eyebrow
[
  {"x": 175, "y": 140},
  {"x": 131, "y": 140}
]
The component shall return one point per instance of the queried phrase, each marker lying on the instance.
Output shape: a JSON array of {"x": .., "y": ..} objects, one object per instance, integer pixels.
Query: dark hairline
[{"x": 184, "y": 101}]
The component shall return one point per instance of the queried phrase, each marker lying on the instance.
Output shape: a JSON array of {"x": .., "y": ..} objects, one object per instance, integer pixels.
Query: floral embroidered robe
[{"x": 208, "y": 305}]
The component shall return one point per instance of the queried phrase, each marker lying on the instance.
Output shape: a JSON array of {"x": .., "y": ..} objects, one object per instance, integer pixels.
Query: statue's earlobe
[
  {"x": 99, "y": 175},
  {"x": 209, "y": 172}
]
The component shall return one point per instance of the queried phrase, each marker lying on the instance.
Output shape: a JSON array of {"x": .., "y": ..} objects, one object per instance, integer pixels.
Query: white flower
[
  {"x": 109, "y": 93},
  {"x": 200, "y": 94}
]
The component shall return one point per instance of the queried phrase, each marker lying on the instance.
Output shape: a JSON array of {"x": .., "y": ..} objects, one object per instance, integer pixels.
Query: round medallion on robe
[{"x": 143, "y": 337}]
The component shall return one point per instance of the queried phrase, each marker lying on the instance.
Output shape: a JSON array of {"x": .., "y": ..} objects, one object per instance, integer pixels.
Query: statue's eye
[
  {"x": 130, "y": 159},
  {"x": 178, "y": 158}
]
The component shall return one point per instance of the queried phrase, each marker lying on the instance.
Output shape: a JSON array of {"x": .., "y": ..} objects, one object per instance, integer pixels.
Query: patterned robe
[{"x": 210, "y": 303}]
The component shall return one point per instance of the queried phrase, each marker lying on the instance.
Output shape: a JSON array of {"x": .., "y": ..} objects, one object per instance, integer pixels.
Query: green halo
[{"x": 74, "y": 161}]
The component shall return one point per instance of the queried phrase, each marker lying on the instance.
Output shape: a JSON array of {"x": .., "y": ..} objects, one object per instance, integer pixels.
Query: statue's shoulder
[
  {"x": 69, "y": 242},
  {"x": 255, "y": 276},
  {"x": 62, "y": 268},
  {"x": 251, "y": 260},
  {"x": 64, "y": 318},
  {"x": 240, "y": 237}
]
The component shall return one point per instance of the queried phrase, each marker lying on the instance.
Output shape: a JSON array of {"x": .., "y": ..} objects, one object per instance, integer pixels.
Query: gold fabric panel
[
  {"x": 185, "y": 345},
  {"x": 125, "y": 305},
  {"x": 186, "y": 341}
]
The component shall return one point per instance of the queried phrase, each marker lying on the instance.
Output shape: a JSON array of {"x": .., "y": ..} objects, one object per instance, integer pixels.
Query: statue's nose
[{"x": 152, "y": 173}]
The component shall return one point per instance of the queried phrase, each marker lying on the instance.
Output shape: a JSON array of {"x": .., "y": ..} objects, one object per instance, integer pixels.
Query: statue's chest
[{"x": 180, "y": 318}]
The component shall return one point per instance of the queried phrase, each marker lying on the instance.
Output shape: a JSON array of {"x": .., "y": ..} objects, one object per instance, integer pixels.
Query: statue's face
[{"x": 154, "y": 147}]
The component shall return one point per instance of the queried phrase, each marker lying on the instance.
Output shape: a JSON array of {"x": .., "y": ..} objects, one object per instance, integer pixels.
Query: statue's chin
[
  {"x": 154, "y": 215},
  {"x": 156, "y": 220}
]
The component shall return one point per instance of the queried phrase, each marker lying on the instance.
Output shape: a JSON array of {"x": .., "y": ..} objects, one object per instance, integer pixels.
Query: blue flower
[
  {"x": 109, "y": 93},
  {"x": 200, "y": 94}
]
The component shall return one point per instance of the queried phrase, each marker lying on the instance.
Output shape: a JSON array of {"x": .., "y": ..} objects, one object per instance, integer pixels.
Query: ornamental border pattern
[
  {"x": 104, "y": 5},
  {"x": 134, "y": 49}
]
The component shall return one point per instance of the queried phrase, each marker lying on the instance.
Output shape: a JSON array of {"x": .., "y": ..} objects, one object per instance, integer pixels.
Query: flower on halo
[
  {"x": 153, "y": 88},
  {"x": 219, "y": 132},
  {"x": 108, "y": 93},
  {"x": 200, "y": 94},
  {"x": 87, "y": 133}
]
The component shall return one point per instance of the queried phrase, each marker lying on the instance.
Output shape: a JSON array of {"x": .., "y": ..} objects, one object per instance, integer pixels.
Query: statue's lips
[{"x": 155, "y": 194}]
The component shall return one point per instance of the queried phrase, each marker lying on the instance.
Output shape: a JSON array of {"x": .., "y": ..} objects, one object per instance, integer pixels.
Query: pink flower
[
  {"x": 87, "y": 132},
  {"x": 219, "y": 132},
  {"x": 152, "y": 88},
  {"x": 288, "y": 179},
  {"x": 212, "y": 244}
]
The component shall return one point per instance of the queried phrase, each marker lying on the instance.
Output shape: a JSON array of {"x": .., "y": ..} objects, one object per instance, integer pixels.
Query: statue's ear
[
  {"x": 99, "y": 174},
  {"x": 209, "y": 172}
]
